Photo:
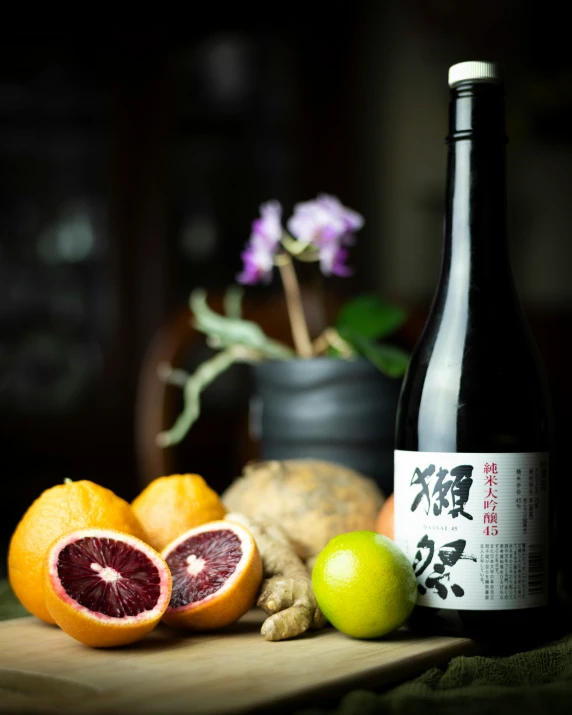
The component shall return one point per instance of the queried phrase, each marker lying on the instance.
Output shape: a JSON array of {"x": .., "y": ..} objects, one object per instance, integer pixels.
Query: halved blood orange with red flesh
[
  {"x": 217, "y": 572},
  {"x": 105, "y": 588}
]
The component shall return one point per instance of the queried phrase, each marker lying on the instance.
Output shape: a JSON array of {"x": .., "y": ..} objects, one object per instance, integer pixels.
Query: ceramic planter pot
[{"x": 337, "y": 410}]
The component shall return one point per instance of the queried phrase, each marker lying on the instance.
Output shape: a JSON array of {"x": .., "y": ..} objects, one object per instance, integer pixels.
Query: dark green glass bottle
[{"x": 473, "y": 490}]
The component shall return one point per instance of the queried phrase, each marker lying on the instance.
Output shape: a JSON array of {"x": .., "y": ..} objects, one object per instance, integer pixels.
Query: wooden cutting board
[{"x": 43, "y": 670}]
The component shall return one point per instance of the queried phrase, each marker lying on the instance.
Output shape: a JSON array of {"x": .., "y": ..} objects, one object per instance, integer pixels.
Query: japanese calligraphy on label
[{"x": 475, "y": 527}]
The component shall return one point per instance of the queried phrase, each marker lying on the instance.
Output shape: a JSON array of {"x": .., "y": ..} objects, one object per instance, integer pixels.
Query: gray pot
[{"x": 338, "y": 410}]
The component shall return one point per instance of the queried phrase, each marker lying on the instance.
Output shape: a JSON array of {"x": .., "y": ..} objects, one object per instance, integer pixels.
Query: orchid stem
[{"x": 298, "y": 324}]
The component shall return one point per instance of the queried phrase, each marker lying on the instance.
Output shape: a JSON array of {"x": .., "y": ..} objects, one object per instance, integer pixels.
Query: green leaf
[
  {"x": 371, "y": 317},
  {"x": 389, "y": 359}
]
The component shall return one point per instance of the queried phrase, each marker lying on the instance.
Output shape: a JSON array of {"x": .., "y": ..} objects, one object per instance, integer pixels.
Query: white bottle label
[{"x": 475, "y": 527}]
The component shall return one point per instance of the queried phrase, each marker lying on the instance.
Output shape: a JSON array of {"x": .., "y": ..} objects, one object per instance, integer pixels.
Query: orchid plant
[{"x": 319, "y": 231}]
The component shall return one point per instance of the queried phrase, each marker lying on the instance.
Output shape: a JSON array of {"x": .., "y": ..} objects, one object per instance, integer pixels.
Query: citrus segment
[
  {"x": 60, "y": 509},
  {"x": 105, "y": 588},
  {"x": 217, "y": 572},
  {"x": 171, "y": 505}
]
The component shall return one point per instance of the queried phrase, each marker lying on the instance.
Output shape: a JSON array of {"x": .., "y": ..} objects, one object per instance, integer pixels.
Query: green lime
[{"x": 364, "y": 584}]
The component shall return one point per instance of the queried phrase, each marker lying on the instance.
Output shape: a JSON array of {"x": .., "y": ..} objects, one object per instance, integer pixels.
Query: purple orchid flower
[
  {"x": 330, "y": 227},
  {"x": 333, "y": 259},
  {"x": 258, "y": 257}
]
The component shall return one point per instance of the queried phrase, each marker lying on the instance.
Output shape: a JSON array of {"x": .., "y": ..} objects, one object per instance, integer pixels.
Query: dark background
[{"x": 134, "y": 160}]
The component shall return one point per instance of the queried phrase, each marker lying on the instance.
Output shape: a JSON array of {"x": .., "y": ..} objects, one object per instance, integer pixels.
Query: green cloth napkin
[
  {"x": 536, "y": 681},
  {"x": 9, "y": 605}
]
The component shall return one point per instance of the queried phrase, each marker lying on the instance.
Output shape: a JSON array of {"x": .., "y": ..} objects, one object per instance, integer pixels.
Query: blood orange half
[
  {"x": 217, "y": 571},
  {"x": 105, "y": 588}
]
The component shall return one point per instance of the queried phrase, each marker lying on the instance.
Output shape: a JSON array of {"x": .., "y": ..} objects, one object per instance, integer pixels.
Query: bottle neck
[
  {"x": 476, "y": 282},
  {"x": 475, "y": 236}
]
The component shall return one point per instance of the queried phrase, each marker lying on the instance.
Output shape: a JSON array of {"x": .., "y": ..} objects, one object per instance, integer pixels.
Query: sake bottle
[{"x": 473, "y": 486}]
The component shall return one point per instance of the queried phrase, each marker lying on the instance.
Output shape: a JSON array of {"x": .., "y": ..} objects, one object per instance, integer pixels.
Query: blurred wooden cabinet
[{"x": 132, "y": 167}]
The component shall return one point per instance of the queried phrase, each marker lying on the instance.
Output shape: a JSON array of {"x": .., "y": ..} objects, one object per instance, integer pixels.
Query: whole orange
[
  {"x": 72, "y": 505},
  {"x": 385, "y": 519},
  {"x": 171, "y": 505}
]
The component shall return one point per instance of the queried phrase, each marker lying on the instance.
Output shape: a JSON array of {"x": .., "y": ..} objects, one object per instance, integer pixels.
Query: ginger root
[{"x": 286, "y": 594}]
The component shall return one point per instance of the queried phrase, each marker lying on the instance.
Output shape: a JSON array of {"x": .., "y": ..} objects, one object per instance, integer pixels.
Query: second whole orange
[{"x": 171, "y": 505}]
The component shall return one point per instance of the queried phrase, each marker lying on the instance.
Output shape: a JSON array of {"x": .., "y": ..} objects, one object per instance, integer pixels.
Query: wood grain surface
[{"x": 233, "y": 671}]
